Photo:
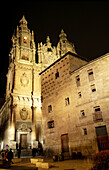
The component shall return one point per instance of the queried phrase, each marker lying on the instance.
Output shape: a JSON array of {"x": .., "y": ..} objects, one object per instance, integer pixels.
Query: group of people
[
  {"x": 37, "y": 151},
  {"x": 8, "y": 155}
]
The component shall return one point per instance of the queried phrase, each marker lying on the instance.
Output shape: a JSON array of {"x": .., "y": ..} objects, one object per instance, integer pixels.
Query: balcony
[{"x": 97, "y": 116}]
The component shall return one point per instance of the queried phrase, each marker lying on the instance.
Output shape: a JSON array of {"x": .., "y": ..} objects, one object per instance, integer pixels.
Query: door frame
[
  {"x": 19, "y": 133},
  {"x": 102, "y": 140},
  {"x": 66, "y": 150},
  {"x": 21, "y": 139}
]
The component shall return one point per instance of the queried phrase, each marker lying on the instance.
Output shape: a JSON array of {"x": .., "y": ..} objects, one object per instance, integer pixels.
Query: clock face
[{"x": 24, "y": 80}]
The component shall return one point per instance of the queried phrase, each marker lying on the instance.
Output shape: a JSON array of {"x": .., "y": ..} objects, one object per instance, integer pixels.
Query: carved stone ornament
[
  {"x": 24, "y": 80},
  {"x": 23, "y": 114},
  {"x": 24, "y": 128}
]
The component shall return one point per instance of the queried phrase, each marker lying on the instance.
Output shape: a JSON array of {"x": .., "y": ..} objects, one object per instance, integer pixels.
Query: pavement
[{"x": 25, "y": 164}]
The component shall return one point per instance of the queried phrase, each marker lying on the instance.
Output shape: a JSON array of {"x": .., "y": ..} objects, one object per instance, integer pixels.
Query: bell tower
[
  {"x": 64, "y": 45},
  {"x": 23, "y": 43},
  {"x": 22, "y": 58},
  {"x": 24, "y": 89}
]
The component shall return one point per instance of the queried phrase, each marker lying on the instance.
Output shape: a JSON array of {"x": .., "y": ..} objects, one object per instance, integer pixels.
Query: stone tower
[
  {"x": 46, "y": 53},
  {"x": 23, "y": 90},
  {"x": 64, "y": 45}
]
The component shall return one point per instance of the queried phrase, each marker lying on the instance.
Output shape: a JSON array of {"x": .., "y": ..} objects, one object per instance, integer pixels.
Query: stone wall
[
  {"x": 90, "y": 99},
  {"x": 56, "y": 92},
  {"x": 68, "y": 109},
  {"x": 5, "y": 124}
]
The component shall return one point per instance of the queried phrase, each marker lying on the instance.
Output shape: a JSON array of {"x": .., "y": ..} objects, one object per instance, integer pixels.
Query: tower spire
[
  {"x": 23, "y": 43},
  {"x": 63, "y": 35},
  {"x": 23, "y": 20},
  {"x": 64, "y": 45}
]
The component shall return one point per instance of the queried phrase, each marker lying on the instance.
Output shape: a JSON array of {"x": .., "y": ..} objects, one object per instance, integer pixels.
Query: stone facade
[
  {"x": 75, "y": 104},
  {"x": 23, "y": 91},
  {"x": 60, "y": 102},
  {"x": 91, "y": 107},
  {"x": 21, "y": 115}
]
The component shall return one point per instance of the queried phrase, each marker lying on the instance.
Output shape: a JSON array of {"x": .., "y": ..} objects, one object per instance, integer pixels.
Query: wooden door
[
  {"x": 23, "y": 141},
  {"x": 65, "y": 143},
  {"x": 102, "y": 138}
]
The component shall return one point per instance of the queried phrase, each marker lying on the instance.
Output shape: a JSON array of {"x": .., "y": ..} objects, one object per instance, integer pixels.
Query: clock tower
[{"x": 23, "y": 90}]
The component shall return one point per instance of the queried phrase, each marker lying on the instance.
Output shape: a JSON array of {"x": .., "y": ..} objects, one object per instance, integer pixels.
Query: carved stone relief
[
  {"x": 24, "y": 80},
  {"x": 24, "y": 128},
  {"x": 24, "y": 113}
]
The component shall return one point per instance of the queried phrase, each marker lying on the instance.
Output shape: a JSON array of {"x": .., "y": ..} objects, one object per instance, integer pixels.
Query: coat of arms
[
  {"x": 24, "y": 80},
  {"x": 23, "y": 114}
]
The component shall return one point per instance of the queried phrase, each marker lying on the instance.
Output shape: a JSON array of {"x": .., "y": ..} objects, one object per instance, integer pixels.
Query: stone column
[
  {"x": 40, "y": 52},
  {"x": 34, "y": 133},
  {"x": 33, "y": 123},
  {"x": 12, "y": 125}
]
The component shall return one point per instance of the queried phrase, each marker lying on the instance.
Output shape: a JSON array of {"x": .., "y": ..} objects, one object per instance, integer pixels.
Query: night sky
[{"x": 86, "y": 24}]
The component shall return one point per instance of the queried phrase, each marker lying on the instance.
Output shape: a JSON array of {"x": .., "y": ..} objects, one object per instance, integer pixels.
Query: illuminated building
[{"x": 61, "y": 101}]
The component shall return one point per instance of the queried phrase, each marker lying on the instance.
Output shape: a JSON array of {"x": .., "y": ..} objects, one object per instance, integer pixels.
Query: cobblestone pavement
[{"x": 60, "y": 165}]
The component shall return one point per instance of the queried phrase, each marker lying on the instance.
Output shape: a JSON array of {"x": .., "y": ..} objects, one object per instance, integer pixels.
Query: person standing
[
  {"x": 10, "y": 156},
  {"x": 18, "y": 153}
]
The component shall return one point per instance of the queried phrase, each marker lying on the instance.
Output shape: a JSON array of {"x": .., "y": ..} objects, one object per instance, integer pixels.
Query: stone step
[
  {"x": 40, "y": 163},
  {"x": 16, "y": 160},
  {"x": 35, "y": 160},
  {"x": 44, "y": 165}
]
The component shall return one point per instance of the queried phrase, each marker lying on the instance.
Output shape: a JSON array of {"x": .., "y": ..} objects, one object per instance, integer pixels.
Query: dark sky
[{"x": 85, "y": 22}]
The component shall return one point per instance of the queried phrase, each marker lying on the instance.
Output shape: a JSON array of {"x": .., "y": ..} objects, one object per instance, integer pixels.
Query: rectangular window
[
  {"x": 97, "y": 109},
  {"x": 9, "y": 86},
  {"x": 51, "y": 124},
  {"x": 85, "y": 131},
  {"x": 41, "y": 98},
  {"x": 93, "y": 88},
  {"x": 82, "y": 113},
  {"x": 79, "y": 94},
  {"x": 90, "y": 75},
  {"x": 97, "y": 116},
  {"x": 49, "y": 108},
  {"x": 57, "y": 74},
  {"x": 77, "y": 80},
  {"x": 24, "y": 57},
  {"x": 67, "y": 101}
]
